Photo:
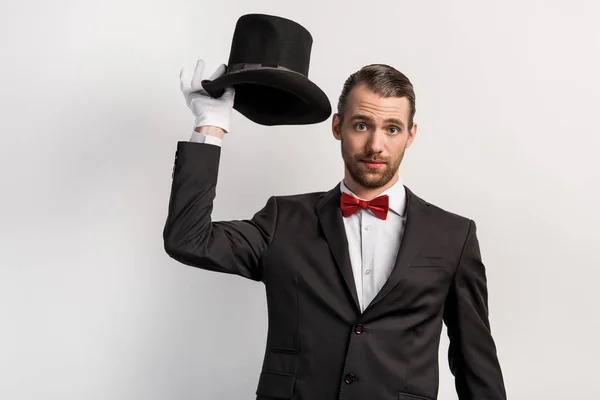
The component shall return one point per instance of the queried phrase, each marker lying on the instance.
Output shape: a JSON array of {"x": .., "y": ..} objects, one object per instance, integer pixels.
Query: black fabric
[{"x": 275, "y": 385}]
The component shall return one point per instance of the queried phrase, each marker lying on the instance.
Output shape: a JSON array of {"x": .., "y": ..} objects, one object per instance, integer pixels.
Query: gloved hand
[{"x": 207, "y": 110}]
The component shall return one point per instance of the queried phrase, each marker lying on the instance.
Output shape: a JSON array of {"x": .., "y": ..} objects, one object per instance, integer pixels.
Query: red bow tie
[{"x": 350, "y": 204}]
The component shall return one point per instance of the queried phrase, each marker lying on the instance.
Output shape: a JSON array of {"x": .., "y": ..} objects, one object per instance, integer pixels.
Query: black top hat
[{"x": 268, "y": 68}]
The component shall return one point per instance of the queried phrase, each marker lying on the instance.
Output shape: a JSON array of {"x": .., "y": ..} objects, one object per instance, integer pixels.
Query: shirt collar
[{"x": 396, "y": 193}]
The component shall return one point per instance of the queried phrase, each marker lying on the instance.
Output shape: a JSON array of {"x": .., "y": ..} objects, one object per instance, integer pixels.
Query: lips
[{"x": 373, "y": 164}]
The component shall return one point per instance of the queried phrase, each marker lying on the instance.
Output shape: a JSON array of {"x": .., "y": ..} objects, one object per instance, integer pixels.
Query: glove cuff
[{"x": 212, "y": 121}]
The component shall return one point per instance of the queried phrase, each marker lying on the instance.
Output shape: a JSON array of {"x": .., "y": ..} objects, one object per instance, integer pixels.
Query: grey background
[{"x": 91, "y": 307}]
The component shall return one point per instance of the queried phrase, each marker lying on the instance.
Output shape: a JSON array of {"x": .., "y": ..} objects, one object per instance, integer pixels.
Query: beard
[{"x": 370, "y": 178}]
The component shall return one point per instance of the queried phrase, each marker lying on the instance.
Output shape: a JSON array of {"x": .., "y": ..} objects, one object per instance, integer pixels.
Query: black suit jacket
[{"x": 319, "y": 345}]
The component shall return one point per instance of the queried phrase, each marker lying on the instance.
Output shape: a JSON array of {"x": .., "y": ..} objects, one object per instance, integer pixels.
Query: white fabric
[
  {"x": 206, "y": 109},
  {"x": 373, "y": 243},
  {"x": 198, "y": 137}
]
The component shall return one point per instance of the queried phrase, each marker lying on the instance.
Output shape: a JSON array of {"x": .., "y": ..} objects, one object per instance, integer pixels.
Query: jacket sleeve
[
  {"x": 472, "y": 352},
  {"x": 192, "y": 238}
]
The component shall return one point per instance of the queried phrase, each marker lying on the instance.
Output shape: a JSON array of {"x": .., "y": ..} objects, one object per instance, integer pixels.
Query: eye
[
  {"x": 394, "y": 130},
  {"x": 360, "y": 126}
]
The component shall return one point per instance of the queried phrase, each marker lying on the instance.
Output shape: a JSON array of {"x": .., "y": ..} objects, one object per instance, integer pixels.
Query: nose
[{"x": 375, "y": 142}]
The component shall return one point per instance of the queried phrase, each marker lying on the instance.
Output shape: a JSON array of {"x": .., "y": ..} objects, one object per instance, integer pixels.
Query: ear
[
  {"x": 411, "y": 135},
  {"x": 335, "y": 127}
]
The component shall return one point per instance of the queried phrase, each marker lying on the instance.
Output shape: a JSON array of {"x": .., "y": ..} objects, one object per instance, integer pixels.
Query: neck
[{"x": 368, "y": 193}]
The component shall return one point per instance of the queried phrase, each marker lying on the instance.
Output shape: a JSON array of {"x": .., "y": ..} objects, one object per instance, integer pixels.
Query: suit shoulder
[
  {"x": 444, "y": 214},
  {"x": 300, "y": 198},
  {"x": 449, "y": 214}
]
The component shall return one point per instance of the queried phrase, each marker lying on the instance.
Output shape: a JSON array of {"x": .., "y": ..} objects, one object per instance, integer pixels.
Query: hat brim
[{"x": 272, "y": 96}]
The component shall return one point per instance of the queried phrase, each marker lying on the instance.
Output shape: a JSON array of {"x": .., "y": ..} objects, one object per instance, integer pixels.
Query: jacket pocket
[
  {"x": 276, "y": 385},
  {"x": 408, "y": 396},
  {"x": 281, "y": 360}
]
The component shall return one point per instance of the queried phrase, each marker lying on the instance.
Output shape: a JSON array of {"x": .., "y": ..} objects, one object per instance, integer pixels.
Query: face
[{"x": 374, "y": 136}]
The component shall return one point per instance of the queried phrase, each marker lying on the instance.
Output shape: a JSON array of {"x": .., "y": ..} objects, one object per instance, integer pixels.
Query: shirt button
[
  {"x": 367, "y": 228},
  {"x": 349, "y": 378},
  {"x": 367, "y": 272},
  {"x": 358, "y": 329}
]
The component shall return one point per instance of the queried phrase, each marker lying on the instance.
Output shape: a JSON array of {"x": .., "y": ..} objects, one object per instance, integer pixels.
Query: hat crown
[{"x": 271, "y": 41}]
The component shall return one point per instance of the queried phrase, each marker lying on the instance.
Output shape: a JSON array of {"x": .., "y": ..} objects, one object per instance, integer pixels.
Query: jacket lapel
[
  {"x": 331, "y": 219},
  {"x": 416, "y": 230}
]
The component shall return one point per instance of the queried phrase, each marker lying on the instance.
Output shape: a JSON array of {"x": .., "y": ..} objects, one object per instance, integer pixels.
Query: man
[{"x": 359, "y": 279}]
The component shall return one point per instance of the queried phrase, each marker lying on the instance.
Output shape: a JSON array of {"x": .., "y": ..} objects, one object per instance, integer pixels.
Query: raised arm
[{"x": 190, "y": 236}]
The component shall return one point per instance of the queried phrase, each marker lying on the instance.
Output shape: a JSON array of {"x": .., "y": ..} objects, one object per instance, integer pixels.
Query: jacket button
[
  {"x": 358, "y": 329},
  {"x": 349, "y": 378}
]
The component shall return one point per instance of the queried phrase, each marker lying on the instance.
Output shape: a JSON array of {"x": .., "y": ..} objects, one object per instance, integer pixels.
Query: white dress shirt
[
  {"x": 373, "y": 243},
  {"x": 202, "y": 138}
]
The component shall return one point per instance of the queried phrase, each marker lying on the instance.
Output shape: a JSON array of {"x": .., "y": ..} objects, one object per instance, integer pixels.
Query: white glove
[{"x": 207, "y": 110}]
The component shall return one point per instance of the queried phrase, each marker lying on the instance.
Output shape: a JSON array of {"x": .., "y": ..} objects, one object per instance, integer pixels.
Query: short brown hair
[{"x": 383, "y": 80}]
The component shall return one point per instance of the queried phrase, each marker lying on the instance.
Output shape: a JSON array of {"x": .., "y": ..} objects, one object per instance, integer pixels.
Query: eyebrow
[{"x": 363, "y": 117}]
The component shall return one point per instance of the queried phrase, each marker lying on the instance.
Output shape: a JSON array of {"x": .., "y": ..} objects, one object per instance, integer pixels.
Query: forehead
[{"x": 362, "y": 100}]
